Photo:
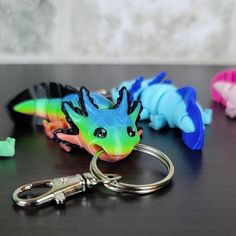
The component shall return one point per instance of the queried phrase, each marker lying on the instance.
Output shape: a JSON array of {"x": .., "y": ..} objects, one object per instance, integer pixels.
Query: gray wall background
[{"x": 118, "y": 31}]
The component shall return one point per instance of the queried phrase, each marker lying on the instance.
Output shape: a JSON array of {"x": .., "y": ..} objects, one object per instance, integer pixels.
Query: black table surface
[{"x": 201, "y": 200}]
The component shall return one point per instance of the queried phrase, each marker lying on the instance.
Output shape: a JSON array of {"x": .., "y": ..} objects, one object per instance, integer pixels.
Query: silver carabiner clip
[{"x": 61, "y": 188}]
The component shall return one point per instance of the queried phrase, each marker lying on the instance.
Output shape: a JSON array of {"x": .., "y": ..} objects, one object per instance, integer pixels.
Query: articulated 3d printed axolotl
[
  {"x": 164, "y": 104},
  {"x": 81, "y": 118}
]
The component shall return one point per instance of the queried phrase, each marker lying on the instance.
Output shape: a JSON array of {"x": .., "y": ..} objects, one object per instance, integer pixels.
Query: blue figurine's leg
[
  {"x": 144, "y": 114},
  {"x": 186, "y": 124},
  {"x": 207, "y": 116},
  {"x": 157, "y": 122}
]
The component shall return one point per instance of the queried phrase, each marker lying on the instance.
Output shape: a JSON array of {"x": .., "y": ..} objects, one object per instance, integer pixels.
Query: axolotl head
[{"x": 114, "y": 130}]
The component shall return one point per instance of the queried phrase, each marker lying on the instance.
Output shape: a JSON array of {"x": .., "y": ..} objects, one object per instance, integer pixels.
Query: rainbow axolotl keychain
[
  {"x": 81, "y": 118},
  {"x": 108, "y": 131}
]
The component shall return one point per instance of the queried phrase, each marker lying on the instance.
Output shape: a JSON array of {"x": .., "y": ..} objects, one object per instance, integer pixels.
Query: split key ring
[{"x": 121, "y": 187}]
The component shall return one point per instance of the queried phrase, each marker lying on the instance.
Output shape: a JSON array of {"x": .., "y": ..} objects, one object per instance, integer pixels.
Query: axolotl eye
[
  {"x": 130, "y": 131},
  {"x": 100, "y": 132}
]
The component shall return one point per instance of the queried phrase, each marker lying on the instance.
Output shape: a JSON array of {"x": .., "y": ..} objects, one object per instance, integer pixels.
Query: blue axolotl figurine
[{"x": 164, "y": 104}]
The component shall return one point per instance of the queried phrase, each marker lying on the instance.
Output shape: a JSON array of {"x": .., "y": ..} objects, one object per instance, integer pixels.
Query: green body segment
[{"x": 49, "y": 109}]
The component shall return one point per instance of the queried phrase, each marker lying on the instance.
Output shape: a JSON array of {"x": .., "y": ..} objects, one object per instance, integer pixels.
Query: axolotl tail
[
  {"x": 49, "y": 109},
  {"x": 42, "y": 100}
]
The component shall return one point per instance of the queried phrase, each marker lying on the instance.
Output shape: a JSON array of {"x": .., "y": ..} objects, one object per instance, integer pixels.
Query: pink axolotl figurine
[{"x": 223, "y": 90}]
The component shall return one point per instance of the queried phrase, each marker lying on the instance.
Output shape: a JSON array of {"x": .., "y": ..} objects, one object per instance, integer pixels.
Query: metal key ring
[{"x": 121, "y": 187}]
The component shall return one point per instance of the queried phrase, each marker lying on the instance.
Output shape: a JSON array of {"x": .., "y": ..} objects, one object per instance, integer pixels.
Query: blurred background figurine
[
  {"x": 223, "y": 90},
  {"x": 7, "y": 147},
  {"x": 164, "y": 104}
]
